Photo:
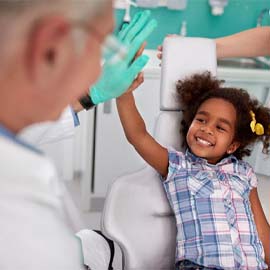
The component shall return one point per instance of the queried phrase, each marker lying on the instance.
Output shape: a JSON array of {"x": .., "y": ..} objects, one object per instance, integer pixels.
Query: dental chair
[{"x": 137, "y": 215}]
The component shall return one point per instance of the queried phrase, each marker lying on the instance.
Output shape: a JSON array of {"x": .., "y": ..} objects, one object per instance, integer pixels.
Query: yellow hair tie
[{"x": 256, "y": 127}]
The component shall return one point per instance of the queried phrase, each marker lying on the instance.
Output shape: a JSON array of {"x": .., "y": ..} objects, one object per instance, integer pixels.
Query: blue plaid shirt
[{"x": 215, "y": 225}]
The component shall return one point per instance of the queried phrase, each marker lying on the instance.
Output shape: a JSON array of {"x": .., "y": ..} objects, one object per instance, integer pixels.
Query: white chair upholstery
[
  {"x": 96, "y": 250},
  {"x": 181, "y": 58},
  {"x": 137, "y": 214},
  {"x": 140, "y": 221}
]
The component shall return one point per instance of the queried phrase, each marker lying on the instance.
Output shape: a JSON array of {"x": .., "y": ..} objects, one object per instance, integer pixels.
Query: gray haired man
[{"x": 50, "y": 54}]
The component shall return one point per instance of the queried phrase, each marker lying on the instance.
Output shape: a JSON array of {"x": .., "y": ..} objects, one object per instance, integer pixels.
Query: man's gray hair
[
  {"x": 16, "y": 16},
  {"x": 82, "y": 7}
]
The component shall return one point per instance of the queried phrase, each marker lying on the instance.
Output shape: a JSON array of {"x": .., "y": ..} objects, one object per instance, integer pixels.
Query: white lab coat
[
  {"x": 39, "y": 218},
  {"x": 48, "y": 132},
  {"x": 52, "y": 132},
  {"x": 34, "y": 230}
]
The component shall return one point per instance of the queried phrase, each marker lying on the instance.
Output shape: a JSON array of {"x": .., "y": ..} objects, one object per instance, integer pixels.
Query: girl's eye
[
  {"x": 221, "y": 128},
  {"x": 200, "y": 120}
]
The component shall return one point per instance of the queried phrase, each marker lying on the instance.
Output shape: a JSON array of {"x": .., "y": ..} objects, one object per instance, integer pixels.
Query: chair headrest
[
  {"x": 167, "y": 129},
  {"x": 182, "y": 57}
]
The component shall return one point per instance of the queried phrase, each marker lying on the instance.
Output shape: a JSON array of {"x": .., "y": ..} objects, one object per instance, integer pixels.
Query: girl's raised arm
[{"x": 135, "y": 130}]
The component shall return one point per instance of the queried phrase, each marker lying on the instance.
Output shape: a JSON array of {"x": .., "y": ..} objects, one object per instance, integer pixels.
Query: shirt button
[
  {"x": 227, "y": 201},
  {"x": 232, "y": 221}
]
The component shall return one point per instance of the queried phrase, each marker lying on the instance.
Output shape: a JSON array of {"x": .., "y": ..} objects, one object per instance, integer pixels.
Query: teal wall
[{"x": 239, "y": 15}]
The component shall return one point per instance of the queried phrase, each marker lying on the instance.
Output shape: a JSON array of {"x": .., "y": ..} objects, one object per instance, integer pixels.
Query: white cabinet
[{"x": 114, "y": 156}]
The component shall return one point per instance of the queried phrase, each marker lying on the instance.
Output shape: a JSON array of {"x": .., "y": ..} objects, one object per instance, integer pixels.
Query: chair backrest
[{"x": 137, "y": 214}]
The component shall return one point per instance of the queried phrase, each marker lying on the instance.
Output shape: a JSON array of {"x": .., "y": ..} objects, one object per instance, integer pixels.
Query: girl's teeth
[{"x": 203, "y": 141}]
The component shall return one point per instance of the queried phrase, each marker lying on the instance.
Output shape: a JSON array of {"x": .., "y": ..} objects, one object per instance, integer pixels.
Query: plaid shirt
[{"x": 213, "y": 214}]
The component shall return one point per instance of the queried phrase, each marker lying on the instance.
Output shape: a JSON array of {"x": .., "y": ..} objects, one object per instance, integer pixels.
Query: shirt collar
[
  {"x": 194, "y": 159},
  {"x": 4, "y": 132}
]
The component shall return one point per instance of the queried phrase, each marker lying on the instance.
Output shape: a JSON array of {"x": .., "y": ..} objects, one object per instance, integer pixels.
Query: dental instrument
[{"x": 127, "y": 17}]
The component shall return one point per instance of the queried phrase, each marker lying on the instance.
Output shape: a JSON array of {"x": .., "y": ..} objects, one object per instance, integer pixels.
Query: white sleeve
[{"x": 49, "y": 132}]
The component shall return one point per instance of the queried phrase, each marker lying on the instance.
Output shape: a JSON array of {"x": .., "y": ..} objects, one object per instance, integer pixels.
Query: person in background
[
  {"x": 50, "y": 53},
  {"x": 250, "y": 43},
  {"x": 212, "y": 191}
]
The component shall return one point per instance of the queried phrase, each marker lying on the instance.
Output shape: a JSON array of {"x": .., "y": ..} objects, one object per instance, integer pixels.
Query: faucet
[{"x": 260, "y": 17}]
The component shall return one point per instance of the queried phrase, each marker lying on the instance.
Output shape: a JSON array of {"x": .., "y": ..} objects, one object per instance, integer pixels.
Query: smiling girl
[{"x": 212, "y": 191}]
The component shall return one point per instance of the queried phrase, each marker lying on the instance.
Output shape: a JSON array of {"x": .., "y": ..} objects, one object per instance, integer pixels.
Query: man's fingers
[
  {"x": 140, "y": 39},
  {"x": 140, "y": 24},
  {"x": 137, "y": 66},
  {"x": 123, "y": 32}
]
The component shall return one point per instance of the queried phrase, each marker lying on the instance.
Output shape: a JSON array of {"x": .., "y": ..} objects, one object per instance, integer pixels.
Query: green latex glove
[{"x": 117, "y": 77}]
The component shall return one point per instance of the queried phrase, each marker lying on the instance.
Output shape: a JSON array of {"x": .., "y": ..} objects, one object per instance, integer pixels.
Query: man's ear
[
  {"x": 233, "y": 147},
  {"x": 48, "y": 49}
]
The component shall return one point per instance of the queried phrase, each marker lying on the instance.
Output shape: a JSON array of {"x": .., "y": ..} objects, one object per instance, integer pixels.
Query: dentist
[{"x": 50, "y": 53}]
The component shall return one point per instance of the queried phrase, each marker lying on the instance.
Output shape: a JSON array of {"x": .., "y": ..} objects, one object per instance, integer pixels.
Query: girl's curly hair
[{"x": 193, "y": 91}]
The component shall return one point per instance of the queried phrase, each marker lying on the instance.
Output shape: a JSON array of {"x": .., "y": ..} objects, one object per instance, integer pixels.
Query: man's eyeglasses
[{"x": 112, "y": 49}]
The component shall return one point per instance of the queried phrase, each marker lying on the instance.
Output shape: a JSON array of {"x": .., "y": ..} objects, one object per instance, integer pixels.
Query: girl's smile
[{"x": 204, "y": 140}]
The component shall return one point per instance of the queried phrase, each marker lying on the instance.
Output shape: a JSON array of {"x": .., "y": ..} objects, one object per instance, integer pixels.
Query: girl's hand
[{"x": 136, "y": 83}]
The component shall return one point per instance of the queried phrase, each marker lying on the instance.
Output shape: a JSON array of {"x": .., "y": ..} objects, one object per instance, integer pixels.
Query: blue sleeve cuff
[{"x": 75, "y": 118}]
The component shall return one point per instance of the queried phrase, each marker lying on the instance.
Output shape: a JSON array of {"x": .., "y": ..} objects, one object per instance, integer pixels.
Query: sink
[{"x": 249, "y": 63}]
